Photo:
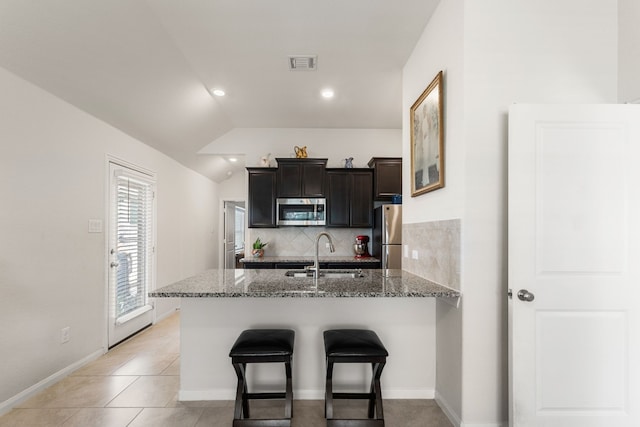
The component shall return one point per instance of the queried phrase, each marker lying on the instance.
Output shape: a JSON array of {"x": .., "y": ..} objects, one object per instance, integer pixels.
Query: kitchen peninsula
[{"x": 217, "y": 305}]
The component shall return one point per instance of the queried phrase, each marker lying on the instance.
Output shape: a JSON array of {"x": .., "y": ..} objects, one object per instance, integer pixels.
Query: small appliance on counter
[{"x": 361, "y": 247}]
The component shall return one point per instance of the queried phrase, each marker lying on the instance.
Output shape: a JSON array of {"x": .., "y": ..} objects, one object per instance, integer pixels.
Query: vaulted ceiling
[{"x": 148, "y": 67}]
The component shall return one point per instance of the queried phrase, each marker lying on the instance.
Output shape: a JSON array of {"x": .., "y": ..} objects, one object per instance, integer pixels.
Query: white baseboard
[
  {"x": 416, "y": 393},
  {"x": 455, "y": 418},
  {"x": 160, "y": 317},
  {"x": 310, "y": 394},
  {"x": 446, "y": 408},
  {"x": 12, "y": 402}
]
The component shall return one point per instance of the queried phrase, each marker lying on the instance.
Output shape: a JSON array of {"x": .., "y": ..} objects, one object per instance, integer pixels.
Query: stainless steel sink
[
  {"x": 339, "y": 274},
  {"x": 328, "y": 274},
  {"x": 299, "y": 273}
]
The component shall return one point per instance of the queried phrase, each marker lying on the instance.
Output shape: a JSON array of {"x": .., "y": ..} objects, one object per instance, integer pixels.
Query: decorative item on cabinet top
[
  {"x": 301, "y": 152},
  {"x": 265, "y": 161}
]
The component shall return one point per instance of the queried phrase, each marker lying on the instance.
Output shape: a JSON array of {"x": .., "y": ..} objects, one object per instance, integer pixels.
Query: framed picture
[{"x": 427, "y": 140}]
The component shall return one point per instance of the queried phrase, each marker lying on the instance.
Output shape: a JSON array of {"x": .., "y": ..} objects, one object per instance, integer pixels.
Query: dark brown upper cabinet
[
  {"x": 301, "y": 177},
  {"x": 262, "y": 197},
  {"x": 350, "y": 198},
  {"x": 387, "y": 177}
]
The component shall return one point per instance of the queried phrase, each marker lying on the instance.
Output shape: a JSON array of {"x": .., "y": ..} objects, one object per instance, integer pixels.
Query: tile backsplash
[
  {"x": 301, "y": 241},
  {"x": 437, "y": 246}
]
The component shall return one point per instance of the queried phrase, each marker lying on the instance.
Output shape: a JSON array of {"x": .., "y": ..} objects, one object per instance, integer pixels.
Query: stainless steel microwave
[{"x": 300, "y": 211}]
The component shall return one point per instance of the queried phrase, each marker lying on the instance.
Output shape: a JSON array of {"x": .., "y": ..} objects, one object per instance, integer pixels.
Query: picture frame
[{"x": 427, "y": 139}]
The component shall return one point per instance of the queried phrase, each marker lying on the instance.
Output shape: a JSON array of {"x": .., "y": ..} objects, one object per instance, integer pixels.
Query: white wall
[
  {"x": 440, "y": 48},
  {"x": 52, "y": 271},
  {"x": 535, "y": 51},
  {"x": 629, "y": 51},
  {"x": 334, "y": 144},
  {"x": 234, "y": 188}
]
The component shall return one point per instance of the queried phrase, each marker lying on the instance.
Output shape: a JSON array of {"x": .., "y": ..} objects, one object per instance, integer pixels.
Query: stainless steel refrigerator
[{"x": 387, "y": 236}]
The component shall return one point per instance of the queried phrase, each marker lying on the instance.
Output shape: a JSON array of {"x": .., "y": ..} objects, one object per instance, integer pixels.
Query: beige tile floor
[{"x": 136, "y": 385}]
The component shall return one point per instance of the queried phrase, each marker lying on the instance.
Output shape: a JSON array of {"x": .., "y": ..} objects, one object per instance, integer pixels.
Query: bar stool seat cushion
[
  {"x": 263, "y": 342},
  {"x": 353, "y": 343}
]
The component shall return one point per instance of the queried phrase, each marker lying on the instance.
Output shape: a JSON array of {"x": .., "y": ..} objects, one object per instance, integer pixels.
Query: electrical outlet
[
  {"x": 65, "y": 335},
  {"x": 414, "y": 254},
  {"x": 327, "y": 245}
]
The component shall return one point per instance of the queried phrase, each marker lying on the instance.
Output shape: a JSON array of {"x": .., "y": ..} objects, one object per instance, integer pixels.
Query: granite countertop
[
  {"x": 274, "y": 284},
  {"x": 310, "y": 259}
]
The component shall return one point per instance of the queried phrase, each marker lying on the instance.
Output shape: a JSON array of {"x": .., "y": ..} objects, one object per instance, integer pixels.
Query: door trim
[{"x": 221, "y": 226}]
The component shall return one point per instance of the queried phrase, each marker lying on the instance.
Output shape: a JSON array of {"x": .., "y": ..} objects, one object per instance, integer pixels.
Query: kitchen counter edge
[{"x": 248, "y": 283}]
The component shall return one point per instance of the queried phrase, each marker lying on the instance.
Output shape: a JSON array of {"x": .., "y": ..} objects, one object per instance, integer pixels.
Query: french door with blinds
[{"x": 131, "y": 251}]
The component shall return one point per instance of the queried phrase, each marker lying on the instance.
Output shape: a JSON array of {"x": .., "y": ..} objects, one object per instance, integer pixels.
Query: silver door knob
[{"x": 525, "y": 295}]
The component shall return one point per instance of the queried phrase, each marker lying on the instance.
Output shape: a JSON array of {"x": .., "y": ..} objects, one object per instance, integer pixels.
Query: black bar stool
[
  {"x": 262, "y": 346},
  {"x": 355, "y": 346}
]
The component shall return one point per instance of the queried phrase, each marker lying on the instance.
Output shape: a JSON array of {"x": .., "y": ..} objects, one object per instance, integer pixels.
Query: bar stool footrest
[
  {"x": 266, "y": 395},
  {"x": 355, "y": 423},
  {"x": 262, "y": 423},
  {"x": 367, "y": 396}
]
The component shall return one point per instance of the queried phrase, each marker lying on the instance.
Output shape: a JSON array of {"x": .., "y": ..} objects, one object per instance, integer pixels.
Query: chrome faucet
[{"x": 316, "y": 263}]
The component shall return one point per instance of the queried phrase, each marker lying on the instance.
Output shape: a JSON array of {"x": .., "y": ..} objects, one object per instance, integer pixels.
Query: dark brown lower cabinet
[
  {"x": 258, "y": 265},
  {"x": 350, "y": 198},
  {"x": 299, "y": 265}
]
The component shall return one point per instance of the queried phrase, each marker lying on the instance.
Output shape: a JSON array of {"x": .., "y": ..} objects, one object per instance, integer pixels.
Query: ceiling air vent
[{"x": 303, "y": 62}]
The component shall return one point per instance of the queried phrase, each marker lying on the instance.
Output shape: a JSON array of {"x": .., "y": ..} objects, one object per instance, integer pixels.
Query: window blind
[{"x": 134, "y": 244}]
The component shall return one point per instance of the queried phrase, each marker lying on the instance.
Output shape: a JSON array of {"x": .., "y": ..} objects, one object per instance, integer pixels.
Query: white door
[
  {"x": 574, "y": 265},
  {"x": 131, "y": 251}
]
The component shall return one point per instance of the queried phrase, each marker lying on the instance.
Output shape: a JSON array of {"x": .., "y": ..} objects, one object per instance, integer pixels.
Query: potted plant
[{"x": 258, "y": 248}]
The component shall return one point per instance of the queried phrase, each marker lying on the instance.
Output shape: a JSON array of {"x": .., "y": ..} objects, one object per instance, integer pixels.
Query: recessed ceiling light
[
  {"x": 218, "y": 92},
  {"x": 233, "y": 159},
  {"x": 327, "y": 93}
]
